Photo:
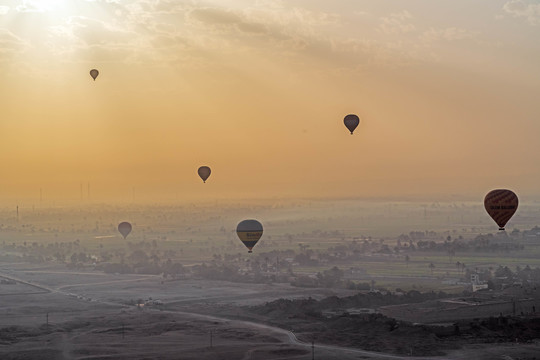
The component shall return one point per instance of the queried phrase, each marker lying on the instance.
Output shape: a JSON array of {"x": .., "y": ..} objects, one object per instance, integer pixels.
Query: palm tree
[
  {"x": 431, "y": 266},
  {"x": 451, "y": 254}
]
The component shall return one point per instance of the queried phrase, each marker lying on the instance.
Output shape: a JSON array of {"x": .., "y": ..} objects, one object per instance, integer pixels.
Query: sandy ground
[{"x": 88, "y": 318}]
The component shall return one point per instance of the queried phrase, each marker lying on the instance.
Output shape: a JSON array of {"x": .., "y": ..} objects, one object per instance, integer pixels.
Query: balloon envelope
[
  {"x": 351, "y": 121},
  {"x": 204, "y": 172},
  {"x": 94, "y": 74},
  {"x": 501, "y": 204},
  {"x": 124, "y": 228},
  {"x": 249, "y": 232}
]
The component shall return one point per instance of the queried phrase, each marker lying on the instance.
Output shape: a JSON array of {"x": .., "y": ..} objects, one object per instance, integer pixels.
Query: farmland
[{"x": 60, "y": 292}]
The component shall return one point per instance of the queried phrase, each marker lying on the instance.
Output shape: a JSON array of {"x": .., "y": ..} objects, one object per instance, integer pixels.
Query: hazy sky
[{"x": 448, "y": 93}]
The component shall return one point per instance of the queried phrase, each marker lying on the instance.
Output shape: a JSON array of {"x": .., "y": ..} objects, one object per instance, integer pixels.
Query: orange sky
[{"x": 447, "y": 96}]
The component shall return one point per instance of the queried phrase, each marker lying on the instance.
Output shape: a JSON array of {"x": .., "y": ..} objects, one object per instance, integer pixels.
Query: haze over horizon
[{"x": 446, "y": 93}]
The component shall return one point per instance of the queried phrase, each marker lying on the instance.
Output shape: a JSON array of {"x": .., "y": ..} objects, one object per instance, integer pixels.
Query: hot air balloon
[
  {"x": 94, "y": 74},
  {"x": 204, "y": 172},
  {"x": 351, "y": 121},
  {"x": 501, "y": 204},
  {"x": 249, "y": 232},
  {"x": 124, "y": 228}
]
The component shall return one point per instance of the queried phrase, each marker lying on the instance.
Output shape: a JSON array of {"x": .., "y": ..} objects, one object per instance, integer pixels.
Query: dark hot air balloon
[
  {"x": 94, "y": 74},
  {"x": 204, "y": 172},
  {"x": 249, "y": 232},
  {"x": 351, "y": 121},
  {"x": 124, "y": 228},
  {"x": 501, "y": 204}
]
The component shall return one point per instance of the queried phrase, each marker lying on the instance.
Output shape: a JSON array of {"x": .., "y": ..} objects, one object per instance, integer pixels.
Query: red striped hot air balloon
[{"x": 501, "y": 204}]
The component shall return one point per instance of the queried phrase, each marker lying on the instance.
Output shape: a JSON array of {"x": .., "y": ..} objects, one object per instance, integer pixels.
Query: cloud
[
  {"x": 109, "y": 54},
  {"x": 93, "y": 31},
  {"x": 274, "y": 22},
  {"x": 298, "y": 34},
  {"x": 397, "y": 23},
  {"x": 448, "y": 34},
  {"x": 524, "y": 9},
  {"x": 82, "y": 39},
  {"x": 10, "y": 44},
  {"x": 30, "y": 7},
  {"x": 167, "y": 6},
  {"x": 220, "y": 18},
  {"x": 173, "y": 31}
]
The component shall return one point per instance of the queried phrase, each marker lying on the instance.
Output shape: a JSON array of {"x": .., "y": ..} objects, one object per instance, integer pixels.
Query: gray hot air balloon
[
  {"x": 94, "y": 74},
  {"x": 351, "y": 121},
  {"x": 249, "y": 232},
  {"x": 124, "y": 228},
  {"x": 204, "y": 172}
]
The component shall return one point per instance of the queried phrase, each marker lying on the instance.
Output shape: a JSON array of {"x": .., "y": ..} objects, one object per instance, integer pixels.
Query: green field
[{"x": 193, "y": 233}]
